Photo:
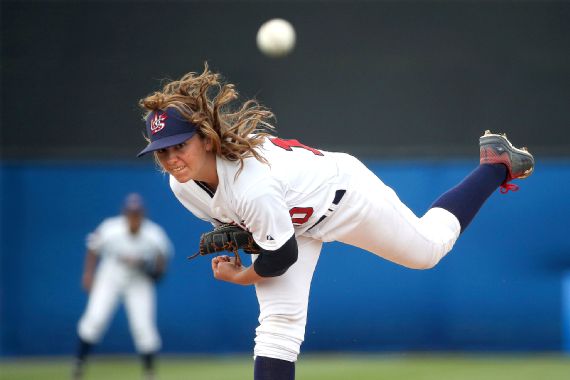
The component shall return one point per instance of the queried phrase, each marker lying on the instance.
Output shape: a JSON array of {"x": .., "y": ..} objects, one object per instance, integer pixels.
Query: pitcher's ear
[{"x": 208, "y": 143}]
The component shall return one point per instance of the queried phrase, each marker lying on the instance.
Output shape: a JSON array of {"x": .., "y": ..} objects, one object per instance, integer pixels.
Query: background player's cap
[
  {"x": 133, "y": 203},
  {"x": 166, "y": 128}
]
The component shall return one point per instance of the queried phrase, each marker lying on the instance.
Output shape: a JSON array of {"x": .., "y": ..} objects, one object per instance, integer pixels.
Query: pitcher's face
[{"x": 191, "y": 160}]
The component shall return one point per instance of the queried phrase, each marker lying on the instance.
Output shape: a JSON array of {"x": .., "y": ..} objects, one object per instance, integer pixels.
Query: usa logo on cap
[
  {"x": 165, "y": 128},
  {"x": 157, "y": 123}
]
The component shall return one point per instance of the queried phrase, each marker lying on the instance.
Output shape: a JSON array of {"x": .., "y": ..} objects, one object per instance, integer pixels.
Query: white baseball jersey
[
  {"x": 112, "y": 240},
  {"x": 273, "y": 201}
]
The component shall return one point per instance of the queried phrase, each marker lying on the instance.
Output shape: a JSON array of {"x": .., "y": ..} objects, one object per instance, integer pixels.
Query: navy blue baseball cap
[
  {"x": 166, "y": 128},
  {"x": 133, "y": 203}
]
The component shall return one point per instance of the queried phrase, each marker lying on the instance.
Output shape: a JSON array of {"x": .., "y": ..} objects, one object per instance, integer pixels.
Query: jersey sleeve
[
  {"x": 265, "y": 214},
  {"x": 95, "y": 240},
  {"x": 165, "y": 247}
]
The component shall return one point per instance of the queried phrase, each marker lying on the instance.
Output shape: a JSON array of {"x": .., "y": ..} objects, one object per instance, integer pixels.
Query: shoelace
[{"x": 506, "y": 187}]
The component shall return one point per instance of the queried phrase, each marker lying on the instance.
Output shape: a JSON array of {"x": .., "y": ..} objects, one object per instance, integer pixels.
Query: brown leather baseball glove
[{"x": 227, "y": 237}]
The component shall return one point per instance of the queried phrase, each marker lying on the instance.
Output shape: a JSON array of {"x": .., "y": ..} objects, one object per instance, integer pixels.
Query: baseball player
[
  {"x": 133, "y": 253},
  {"x": 289, "y": 198}
]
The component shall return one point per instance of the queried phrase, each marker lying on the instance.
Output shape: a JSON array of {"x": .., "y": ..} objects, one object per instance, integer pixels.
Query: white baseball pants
[
  {"x": 369, "y": 216},
  {"x": 139, "y": 296}
]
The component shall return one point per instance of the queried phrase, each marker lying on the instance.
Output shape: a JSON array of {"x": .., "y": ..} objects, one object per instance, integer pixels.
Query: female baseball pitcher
[{"x": 226, "y": 167}]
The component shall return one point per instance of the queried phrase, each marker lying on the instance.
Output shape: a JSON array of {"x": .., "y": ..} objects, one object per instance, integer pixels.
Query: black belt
[{"x": 337, "y": 197}]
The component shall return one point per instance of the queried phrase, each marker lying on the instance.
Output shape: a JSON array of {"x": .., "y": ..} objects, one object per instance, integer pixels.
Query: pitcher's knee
[
  {"x": 426, "y": 260},
  {"x": 424, "y": 256},
  {"x": 437, "y": 233},
  {"x": 280, "y": 337},
  {"x": 277, "y": 347}
]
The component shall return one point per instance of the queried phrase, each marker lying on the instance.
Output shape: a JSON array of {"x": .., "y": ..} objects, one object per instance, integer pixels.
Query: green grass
[{"x": 310, "y": 367}]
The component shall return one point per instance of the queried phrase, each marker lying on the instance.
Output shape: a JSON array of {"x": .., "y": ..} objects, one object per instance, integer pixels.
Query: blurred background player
[{"x": 134, "y": 252}]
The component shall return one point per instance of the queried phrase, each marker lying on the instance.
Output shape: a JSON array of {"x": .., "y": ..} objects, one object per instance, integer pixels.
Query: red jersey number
[
  {"x": 300, "y": 215},
  {"x": 290, "y": 144}
]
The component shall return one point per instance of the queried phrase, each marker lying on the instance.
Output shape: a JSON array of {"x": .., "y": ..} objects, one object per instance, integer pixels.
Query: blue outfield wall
[{"x": 499, "y": 289}]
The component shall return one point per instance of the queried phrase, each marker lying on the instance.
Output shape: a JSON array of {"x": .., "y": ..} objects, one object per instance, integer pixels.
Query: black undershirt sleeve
[{"x": 275, "y": 263}]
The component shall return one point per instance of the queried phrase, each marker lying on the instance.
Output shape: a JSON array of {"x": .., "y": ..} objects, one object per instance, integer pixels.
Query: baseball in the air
[{"x": 276, "y": 38}]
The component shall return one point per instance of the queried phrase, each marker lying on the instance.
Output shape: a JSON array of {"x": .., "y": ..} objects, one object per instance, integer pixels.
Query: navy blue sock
[
  {"x": 465, "y": 199},
  {"x": 273, "y": 369},
  {"x": 148, "y": 361},
  {"x": 83, "y": 350}
]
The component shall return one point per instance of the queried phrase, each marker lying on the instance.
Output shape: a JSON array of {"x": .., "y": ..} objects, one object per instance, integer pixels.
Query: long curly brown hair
[{"x": 206, "y": 101}]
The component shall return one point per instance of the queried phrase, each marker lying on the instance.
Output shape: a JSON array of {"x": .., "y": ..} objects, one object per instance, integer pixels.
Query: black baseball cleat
[
  {"x": 77, "y": 370},
  {"x": 497, "y": 149}
]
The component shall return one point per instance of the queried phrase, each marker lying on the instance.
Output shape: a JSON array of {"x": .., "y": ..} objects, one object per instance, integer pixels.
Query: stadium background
[{"x": 406, "y": 86}]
